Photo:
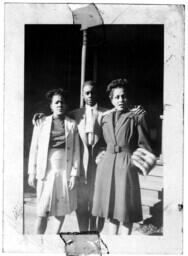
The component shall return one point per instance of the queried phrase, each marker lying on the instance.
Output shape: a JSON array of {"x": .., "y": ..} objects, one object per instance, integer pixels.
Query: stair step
[
  {"x": 150, "y": 193},
  {"x": 30, "y": 201},
  {"x": 29, "y": 195},
  {"x": 157, "y": 171},
  {"x": 149, "y": 201},
  {"x": 151, "y": 182},
  {"x": 146, "y": 212},
  {"x": 149, "y": 178},
  {"x": 151, "y": 186}
]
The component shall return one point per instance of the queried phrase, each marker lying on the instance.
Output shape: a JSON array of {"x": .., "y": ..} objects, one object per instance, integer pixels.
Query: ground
[{"x": 151, "y": 226}]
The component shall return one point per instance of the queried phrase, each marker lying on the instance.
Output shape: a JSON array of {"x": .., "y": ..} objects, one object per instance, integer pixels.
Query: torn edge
[{"x": 83, "y": 243}]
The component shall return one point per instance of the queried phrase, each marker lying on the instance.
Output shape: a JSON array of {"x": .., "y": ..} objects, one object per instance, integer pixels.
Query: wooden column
[{"x": 83, "y": 64}]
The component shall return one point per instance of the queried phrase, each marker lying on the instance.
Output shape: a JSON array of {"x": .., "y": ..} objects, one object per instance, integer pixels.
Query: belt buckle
[{"x": 116, "y": 149}]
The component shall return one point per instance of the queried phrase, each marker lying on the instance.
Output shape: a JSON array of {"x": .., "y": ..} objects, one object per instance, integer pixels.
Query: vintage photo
[
  {"x": 123, "y": 54},
  {"x": 99, "y": 96}
]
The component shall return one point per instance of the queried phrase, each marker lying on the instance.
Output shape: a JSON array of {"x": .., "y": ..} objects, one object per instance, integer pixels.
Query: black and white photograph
[
  {"x": 93, "y": 126},
  {"x": 126, "y": 53}
]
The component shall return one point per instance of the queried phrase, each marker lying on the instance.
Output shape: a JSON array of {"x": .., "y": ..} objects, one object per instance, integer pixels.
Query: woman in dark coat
[{"x": 117, "y": 191}]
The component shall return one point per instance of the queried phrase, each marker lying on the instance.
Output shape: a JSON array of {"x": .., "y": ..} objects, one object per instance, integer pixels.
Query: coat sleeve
[
  {"x": 144, "y": 140},
  {"x": 32, "y": 165},
  {"x": 101, "y": 143},
  {"x": 76, "y": 153}
]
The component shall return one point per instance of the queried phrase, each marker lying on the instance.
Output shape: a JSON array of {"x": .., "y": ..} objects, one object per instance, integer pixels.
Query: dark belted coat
[{"x": 117, "y": 189}]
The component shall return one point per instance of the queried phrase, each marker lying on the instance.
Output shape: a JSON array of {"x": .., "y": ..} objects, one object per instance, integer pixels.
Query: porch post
[{"x": 83, "y": 64}]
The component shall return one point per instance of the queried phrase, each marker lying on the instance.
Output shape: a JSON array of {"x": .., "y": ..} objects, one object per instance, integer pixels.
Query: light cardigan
[{"x": 38, "y": 155}]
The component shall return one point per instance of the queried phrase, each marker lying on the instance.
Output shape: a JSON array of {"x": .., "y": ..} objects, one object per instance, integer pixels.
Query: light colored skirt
[{"x": 53, "y": 195}]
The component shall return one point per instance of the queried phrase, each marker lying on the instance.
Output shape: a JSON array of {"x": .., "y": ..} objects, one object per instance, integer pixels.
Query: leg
[
  {"x": 100, "y": 224},
  {"x": 125, "y": 229},
  {"x": 83, "y": 220},
  {"x": 41, "y": 225},
  {"x": 82, "y": 211},
  {"x": 113, "y": 227},
  {"x": 92, "y": 220},
  {"x": 58, "y": 223}
]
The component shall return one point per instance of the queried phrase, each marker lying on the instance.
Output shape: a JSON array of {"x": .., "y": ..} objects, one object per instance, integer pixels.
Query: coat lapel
[
  {"x": 121, "y": 121},
  {"x": 111, "y": 126},
  {"x": 95, "y": 115},
  {"x": 46, "y": 130},
  {"x": 81, "y": 126},
  {"x": 96, "y": 126},
  {"x": 68, "y": 126}
]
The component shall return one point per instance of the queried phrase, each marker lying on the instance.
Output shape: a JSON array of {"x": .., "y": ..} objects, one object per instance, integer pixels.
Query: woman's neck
[{"x": 60, "y": 117}]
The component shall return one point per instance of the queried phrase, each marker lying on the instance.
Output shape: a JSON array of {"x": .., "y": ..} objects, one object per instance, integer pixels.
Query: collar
[
  {"x": 122, "y": 111},
  {"x": 87, "y": 107},
  {"x": 62, "y": 118}
]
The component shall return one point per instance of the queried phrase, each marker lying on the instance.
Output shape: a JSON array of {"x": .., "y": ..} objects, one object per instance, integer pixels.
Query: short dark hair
[
  {"x": 90, "y": 82},
  {"x": 117, "y": 83},
  {"x": 58, "y": 91}
]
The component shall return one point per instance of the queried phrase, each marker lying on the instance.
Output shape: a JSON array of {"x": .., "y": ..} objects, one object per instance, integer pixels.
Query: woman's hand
[
  {"x": 32, "y": 180},
  {"x": 100, "y": 157},
  {"x": 38, "y": 118},
  {"x": 72, "y": 182},
  {"x": 137, "y": 109},
  {"x": 144, "y": 160}
]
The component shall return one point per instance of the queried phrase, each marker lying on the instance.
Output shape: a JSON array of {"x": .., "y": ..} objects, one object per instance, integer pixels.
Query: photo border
[{"x": 19, "y": 14}]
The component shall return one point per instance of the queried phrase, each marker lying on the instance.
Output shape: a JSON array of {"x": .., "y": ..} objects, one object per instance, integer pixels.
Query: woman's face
[
  {"x": 118, "y": 99},
  {"x": 58, "y": 105}
]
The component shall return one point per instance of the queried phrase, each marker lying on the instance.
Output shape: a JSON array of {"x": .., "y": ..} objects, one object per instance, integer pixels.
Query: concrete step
[
  {"x": 30, "y": 201},
  {"x": 150, "y": 193},
  {"x": 149, "y": 201},
  {"x": 157, "y": 171},
  {"x": 146, "y": 212},
  {"x": 151, "y": 182},
  {"x": 150, "y": 178},
  {"x": 29, "y": 194}
]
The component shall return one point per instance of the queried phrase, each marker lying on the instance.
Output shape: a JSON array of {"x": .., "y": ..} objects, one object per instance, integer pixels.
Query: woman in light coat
[
  {"x": 54, "y": 163},
  {"x": 117, "y": 190}
]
